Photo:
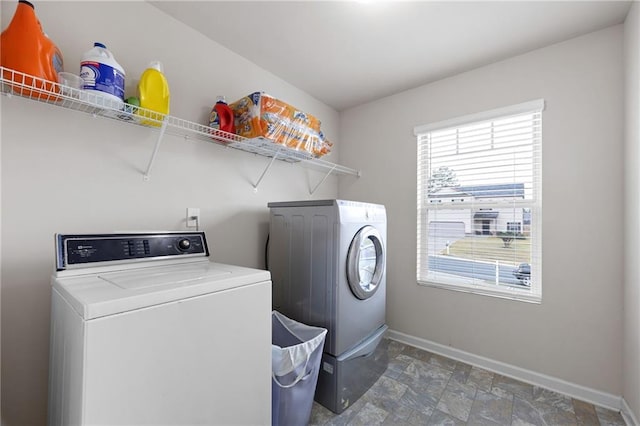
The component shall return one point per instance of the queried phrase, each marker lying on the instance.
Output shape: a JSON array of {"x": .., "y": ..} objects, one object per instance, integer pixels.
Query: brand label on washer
[{"x": 327, "y": 367}]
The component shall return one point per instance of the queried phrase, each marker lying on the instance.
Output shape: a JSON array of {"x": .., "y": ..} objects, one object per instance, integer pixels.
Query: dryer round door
[{"x": 365, "y": 262}]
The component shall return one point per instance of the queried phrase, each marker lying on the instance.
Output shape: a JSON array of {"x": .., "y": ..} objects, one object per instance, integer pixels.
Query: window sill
[{"x": 511, "y": 293}]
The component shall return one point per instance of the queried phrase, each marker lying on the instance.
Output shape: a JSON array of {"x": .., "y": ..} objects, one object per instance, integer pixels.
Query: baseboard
[
  {"x": 627, "y": 414},
  {"x": 583, "y": 393}
]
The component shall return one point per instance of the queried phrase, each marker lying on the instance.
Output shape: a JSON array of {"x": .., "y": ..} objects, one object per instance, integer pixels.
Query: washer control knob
[{"x": 184, "y": 244}]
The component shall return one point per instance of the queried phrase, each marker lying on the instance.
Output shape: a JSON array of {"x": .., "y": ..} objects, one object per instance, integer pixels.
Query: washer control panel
[{"x": 91, "y": 249}]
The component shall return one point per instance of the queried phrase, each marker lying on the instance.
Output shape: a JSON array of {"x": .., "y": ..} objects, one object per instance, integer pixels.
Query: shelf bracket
[
  {"x": 163, "y": 128},
  {"x": 322, "y": 181},
  {"x": 255, "y": 187}
]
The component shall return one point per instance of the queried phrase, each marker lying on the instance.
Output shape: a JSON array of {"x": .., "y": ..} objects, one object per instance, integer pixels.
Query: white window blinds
[{"x": 479, "y": 202}]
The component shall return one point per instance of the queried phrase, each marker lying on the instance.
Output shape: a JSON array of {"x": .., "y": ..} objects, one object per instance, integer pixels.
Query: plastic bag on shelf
[{"x": 262, "y": 115}]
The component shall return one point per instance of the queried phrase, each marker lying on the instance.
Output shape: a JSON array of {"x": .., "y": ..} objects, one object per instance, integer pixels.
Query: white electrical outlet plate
[{"x": 193, "y": 212}]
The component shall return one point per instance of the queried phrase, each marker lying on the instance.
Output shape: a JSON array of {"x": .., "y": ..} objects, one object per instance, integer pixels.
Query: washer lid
[
  {"x": 159, "y": 277},
  {"x": 108, "y": 293}
]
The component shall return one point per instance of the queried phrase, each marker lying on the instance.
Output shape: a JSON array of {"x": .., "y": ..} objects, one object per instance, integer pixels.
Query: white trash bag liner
[
  {"x": 296, "y": 350},
  {"x": 285, "y": 360}
]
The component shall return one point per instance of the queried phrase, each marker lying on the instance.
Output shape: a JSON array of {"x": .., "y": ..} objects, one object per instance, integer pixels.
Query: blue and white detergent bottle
[{"x": 103, "y": 77}]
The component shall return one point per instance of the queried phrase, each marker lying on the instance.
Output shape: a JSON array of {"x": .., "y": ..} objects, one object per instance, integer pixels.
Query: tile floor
[{"x": 421, "y": 388}]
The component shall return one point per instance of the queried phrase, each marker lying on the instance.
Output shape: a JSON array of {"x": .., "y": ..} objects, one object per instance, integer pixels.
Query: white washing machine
[
  {"x": 146, "y": 330},
  {"x": 327, "y": 260}
]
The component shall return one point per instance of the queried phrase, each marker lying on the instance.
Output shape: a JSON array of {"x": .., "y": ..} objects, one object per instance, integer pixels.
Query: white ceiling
[{"x": 346, "y": 53}]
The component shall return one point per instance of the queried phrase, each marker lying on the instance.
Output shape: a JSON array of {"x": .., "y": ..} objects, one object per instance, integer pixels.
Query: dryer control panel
[{"x": 84, "y": 250}]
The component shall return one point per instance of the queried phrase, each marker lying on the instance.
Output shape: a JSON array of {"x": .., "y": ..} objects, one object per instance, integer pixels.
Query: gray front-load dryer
[{"x": 327, "y": 262}]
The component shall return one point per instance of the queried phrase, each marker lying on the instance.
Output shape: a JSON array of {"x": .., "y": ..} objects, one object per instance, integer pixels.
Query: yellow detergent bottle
[{"x": 153, "y": 92}]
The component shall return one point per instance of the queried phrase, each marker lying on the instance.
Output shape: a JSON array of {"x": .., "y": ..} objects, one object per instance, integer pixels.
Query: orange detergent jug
[{"x": 25, "y": 48}]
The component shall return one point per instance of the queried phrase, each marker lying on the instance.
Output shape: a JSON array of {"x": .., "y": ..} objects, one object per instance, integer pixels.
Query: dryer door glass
[{"x": 365, "y": 262}]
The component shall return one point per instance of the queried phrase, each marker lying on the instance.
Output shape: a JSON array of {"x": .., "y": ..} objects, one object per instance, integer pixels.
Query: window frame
[{"x": 534, "y": 293}]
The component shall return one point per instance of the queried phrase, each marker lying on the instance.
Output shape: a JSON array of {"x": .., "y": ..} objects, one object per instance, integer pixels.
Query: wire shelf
[{"x": 35, "y": 88}]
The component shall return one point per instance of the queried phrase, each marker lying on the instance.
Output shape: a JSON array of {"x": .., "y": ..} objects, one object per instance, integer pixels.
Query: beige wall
[
  {"x": 63, "y": 171},
  {"x": 575, "y": 334},
  {"x": 631, "y": 353}
]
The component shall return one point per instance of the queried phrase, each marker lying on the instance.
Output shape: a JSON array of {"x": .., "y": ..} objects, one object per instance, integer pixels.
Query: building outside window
[{"x": 479, "y": 203}]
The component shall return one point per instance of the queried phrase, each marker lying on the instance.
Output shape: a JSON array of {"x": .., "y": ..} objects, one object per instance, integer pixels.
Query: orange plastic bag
[{"x": 261, "y": 115}]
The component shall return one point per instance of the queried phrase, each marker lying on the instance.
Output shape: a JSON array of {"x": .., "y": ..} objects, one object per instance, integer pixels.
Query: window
[
  {"x": 479, "y": 203},
  {"x": 514, "y": 227}
]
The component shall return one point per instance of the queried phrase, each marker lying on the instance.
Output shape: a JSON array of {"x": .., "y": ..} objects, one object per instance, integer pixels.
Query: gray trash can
[{"x": 296, "y": 351}]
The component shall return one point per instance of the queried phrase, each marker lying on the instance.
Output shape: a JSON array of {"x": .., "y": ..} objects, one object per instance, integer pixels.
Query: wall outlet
[{"x": 193, "y": 217}]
